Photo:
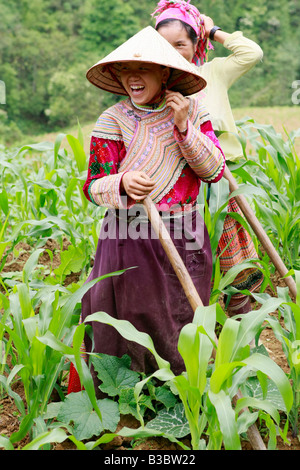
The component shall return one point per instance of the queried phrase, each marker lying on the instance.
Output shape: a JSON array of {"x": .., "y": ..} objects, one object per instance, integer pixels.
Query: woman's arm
[
  {"x": 103, "y": 185},
  {"x": 198, "y": 145},
  {"x": 202, "y": 151},
  {"x": 245, "y": 53}
]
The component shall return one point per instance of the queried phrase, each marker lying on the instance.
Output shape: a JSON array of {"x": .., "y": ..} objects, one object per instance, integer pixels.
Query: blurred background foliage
[{"x": 46, "y": 46}]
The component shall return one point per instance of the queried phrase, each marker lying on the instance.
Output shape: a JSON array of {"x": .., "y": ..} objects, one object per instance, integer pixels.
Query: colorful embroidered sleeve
[
  {"x": 102, "y": 186},
  {"x": 202, "y": 151}
]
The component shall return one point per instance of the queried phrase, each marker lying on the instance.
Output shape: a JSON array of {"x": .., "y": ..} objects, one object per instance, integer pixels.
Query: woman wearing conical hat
[
  {"x": 190, "y": 33},
  {"x": 155, "y": 142}
]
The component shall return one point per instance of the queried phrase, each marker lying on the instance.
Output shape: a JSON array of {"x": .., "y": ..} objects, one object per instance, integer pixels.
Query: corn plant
[
  {"x": 288, "y": 333},
  {"x": 40, "y": 198},
  {"x": 207, "y": 389},
  {"x": 274, "y": 170},
  {"x": 33, "y": 339}
]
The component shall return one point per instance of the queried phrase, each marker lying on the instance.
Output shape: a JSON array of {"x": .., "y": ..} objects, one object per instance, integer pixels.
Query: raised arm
[{"x": 245, "y": 52}]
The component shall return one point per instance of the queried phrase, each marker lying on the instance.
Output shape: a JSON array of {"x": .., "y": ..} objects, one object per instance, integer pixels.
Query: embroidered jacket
[{"x": 125, "y": 139}]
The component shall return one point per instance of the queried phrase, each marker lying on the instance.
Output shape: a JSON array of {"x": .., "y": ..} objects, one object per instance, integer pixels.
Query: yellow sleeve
[{"x": 245, "y": 54}]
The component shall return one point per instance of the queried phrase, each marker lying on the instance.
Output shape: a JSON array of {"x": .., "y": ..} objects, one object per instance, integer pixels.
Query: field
[{"x": 47, "y": 242}]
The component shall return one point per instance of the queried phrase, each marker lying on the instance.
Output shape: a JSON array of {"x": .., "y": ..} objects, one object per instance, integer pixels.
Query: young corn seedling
[
  {"x": 274, "y": 171},
  {"x": 289, "y": 336},
  {"x": 208, "y": 388}
]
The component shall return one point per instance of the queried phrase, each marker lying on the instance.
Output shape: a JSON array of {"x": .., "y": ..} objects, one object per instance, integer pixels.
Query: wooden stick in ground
[
  {"x": 260, "y": 233},
  {"x": 189, "y": 289}
]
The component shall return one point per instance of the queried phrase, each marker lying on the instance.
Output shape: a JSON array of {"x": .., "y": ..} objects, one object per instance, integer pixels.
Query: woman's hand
[
  {"x": 208, "y": 24},
  {"x": 220, "y": 36},
  {"x": 137, "y": 185},
  {"x": 180, "y": 106}
]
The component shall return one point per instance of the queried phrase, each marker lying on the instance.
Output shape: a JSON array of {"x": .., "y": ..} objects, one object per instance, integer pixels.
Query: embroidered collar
[{"x": 152, "y": 108}]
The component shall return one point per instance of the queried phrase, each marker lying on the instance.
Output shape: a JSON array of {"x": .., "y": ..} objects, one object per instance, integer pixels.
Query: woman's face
[
  {"x": 143, "y": 81},
  {"x": 178, "y": 37}
]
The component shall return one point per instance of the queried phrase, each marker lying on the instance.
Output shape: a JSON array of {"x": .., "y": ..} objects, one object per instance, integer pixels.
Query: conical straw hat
[{"x": 146, "y": 46}]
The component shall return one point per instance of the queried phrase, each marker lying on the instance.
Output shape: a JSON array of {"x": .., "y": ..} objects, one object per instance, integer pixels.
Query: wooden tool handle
[
  {"x": 260, "y": 233},
  {"x": 188, "y": 286},
  {"x": 172, "y": 253}
]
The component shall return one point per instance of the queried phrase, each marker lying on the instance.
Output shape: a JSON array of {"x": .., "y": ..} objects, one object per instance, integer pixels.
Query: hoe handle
[
  {"x": 189, "y": 289},
  {"x": 260, "y": 233},
  {"x": 172, "y": 253}
]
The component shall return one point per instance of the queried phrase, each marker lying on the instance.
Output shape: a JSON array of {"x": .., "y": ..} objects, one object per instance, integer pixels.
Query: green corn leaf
[
  {"x": 79, "y": 153},
  {"x": 276, "y": 374},
  {"x": 265, "y": 405},
  {"x": 57, "y": 435},
  {"x": 30, "y": 265},
  {"x": 129, "y": 332},
  {"x": 222, "y": 373},
  {"x": 226, "y": 418},
  {"x": 226, "y": 341},
  {"x": 4, "y": 204}
]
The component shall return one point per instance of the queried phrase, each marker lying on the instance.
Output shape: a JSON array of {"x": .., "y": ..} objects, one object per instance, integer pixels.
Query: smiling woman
[
  {"x": 159, "y": 143},
  {"x": 144, "y": 82}
]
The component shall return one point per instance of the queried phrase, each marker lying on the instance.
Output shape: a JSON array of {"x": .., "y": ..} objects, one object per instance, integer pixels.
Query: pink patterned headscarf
[{"x": 184, "y": 11}]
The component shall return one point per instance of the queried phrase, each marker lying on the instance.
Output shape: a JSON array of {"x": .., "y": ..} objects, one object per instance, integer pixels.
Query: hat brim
[{"x": 150, "y": 47}]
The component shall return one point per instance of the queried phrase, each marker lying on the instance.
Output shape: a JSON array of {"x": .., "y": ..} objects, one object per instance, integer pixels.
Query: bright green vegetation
[{"x": 41, "y": 200}]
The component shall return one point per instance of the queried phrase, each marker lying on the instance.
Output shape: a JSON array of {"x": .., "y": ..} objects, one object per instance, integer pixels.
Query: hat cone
[{"x": 146, "y": 46}]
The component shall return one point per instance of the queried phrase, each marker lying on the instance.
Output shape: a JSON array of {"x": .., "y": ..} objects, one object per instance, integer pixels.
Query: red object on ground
[{"x": 74, "y": 384}]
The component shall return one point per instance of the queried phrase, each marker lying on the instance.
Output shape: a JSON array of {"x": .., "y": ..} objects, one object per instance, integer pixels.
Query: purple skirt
[{"x": 150, "y": 295}]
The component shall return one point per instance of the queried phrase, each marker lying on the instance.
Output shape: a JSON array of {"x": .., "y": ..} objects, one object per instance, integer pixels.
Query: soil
[{"x": 9, "y": 422}]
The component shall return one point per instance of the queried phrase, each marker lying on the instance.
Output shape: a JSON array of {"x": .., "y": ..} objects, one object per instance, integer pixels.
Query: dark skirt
[{"x": 150, "y": 295}]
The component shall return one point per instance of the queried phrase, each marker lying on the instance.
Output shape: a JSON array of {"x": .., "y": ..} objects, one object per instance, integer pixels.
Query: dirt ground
[{"x": 9, "y": 416}]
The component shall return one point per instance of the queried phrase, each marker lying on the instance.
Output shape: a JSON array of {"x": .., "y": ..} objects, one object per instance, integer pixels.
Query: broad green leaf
[
  {"x": 163, "y": 375},
  {"x": 165, "y": 396},
  {"x": 72, "y": 261},
  {"x": 77, "y": 408},
  {"x": 252, "y": 388},
  {"x": 114, "y": 373},
  {"x": 171, "y": 421}
]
